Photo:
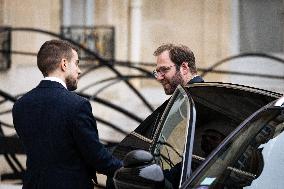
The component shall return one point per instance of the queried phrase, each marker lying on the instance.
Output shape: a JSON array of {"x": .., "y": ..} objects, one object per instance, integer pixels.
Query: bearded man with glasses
[{"x": 175, "y": 66}]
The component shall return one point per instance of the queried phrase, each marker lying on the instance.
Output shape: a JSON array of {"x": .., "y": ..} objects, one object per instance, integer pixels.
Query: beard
[
  {"x": 71, "y": 83},
  {"x": 170, "y": 85}
]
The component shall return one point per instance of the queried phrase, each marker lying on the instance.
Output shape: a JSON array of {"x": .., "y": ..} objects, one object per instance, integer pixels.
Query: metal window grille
[
  {"x": 99, "y": 39},
  {"x": 5, "y": 48}
]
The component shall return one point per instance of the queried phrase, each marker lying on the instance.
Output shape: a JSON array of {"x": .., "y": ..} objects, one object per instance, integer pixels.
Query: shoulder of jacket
[{"x": 76, "y": 99}]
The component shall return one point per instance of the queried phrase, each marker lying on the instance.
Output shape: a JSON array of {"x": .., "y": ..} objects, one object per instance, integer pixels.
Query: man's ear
[
  {"x": 184, "y": 68},
  {"x": 63, "y": 64}
]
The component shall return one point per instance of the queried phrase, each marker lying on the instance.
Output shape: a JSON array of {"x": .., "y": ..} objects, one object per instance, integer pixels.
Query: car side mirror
[
  {"x": 139, "y": 171},
  {"x": 137, "y": 158}
]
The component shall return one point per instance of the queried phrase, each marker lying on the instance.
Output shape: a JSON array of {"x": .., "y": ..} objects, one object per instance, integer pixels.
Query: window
[
  {"x": 172, "y": 148},
  {"x": 247, "y": 159}
]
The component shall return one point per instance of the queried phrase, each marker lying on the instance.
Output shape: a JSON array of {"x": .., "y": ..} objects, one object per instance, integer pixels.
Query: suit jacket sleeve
[{"x": 87, "y": 141}]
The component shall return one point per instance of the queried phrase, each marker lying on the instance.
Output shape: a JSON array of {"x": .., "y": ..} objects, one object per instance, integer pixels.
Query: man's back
[
  {"x": 45, "y": 120},
  {"x": 57, "y": 127}
]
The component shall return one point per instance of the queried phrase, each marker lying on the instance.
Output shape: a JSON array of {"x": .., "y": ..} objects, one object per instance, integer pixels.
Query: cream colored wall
[
  {"x": 115, "y": 13},
  {"x": 203, "y": 25},
  {"x": 39, "y": 14}
]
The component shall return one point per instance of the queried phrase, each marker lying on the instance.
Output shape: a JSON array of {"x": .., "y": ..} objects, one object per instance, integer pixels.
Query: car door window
[
  {"x": 246, "y": 161},
  {"x": 174, "y": 136},
  {"x": 221, "y": 108}
]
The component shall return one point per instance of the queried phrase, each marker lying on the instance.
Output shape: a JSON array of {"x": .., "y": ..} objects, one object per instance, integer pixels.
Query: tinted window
[
  {"x": 170, "y": 141},
  {"x": 220, "y": 108},
  {"x": 249, "y": 157},
  {"x": 172, "y": 134}
]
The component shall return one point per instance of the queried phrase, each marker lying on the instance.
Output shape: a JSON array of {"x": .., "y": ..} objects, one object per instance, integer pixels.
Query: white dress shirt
[{"x": 57, "y": 80}]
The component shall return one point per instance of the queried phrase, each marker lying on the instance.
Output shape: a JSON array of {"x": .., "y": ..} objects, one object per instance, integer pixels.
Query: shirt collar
[{"x": 56, "y": 79}]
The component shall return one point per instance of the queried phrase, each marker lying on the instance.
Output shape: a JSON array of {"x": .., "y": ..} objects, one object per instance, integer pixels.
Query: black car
[{"x": 207, "y": 135}]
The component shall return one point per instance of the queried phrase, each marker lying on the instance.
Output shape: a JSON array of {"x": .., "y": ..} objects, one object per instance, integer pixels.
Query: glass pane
[
  {"x": 245, "y": 160},
  {"x": 170, "y": 144},
  {"x": 171, "y": 140}
]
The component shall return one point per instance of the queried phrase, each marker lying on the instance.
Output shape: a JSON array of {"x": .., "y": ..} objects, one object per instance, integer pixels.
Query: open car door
[
  {"x": 183, "y": 131},
  {"x": 251, "y": 157},
  {"x": 171, "y": 147},
  {"x": 173, "y": 140}
]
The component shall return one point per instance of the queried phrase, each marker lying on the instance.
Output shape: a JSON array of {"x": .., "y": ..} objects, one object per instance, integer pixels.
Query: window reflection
[
  {"x": 247, "y": 162},
  {"x": 170, "y": 143}
]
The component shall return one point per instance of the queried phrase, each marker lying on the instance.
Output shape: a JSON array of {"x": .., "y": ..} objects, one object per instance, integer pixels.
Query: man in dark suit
[{"x": 57, "y": 126}]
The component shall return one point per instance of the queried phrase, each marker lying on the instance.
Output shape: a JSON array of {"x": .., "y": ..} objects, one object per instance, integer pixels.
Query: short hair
[
  {"x": 178, "y": 54},
  {"x": 51, "y": 53}
]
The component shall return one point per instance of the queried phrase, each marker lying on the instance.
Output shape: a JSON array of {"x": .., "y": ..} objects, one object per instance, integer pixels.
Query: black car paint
[{"x": 227, "y": 103}]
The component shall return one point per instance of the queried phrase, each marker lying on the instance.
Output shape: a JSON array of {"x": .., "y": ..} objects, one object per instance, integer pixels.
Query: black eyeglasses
[{"x": 162, "y": 71}]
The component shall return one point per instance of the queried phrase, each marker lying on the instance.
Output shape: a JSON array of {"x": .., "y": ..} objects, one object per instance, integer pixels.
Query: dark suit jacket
[
  {"x": 60, "y": 137},
  {"x": 196, "y": 79}
]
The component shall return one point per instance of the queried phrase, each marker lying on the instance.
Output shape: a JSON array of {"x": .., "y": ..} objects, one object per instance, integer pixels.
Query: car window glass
[
  {"x": 170, "y": 142},
  {"x": 272, "y": 172},
  {"x": 247, "y": 161}
]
